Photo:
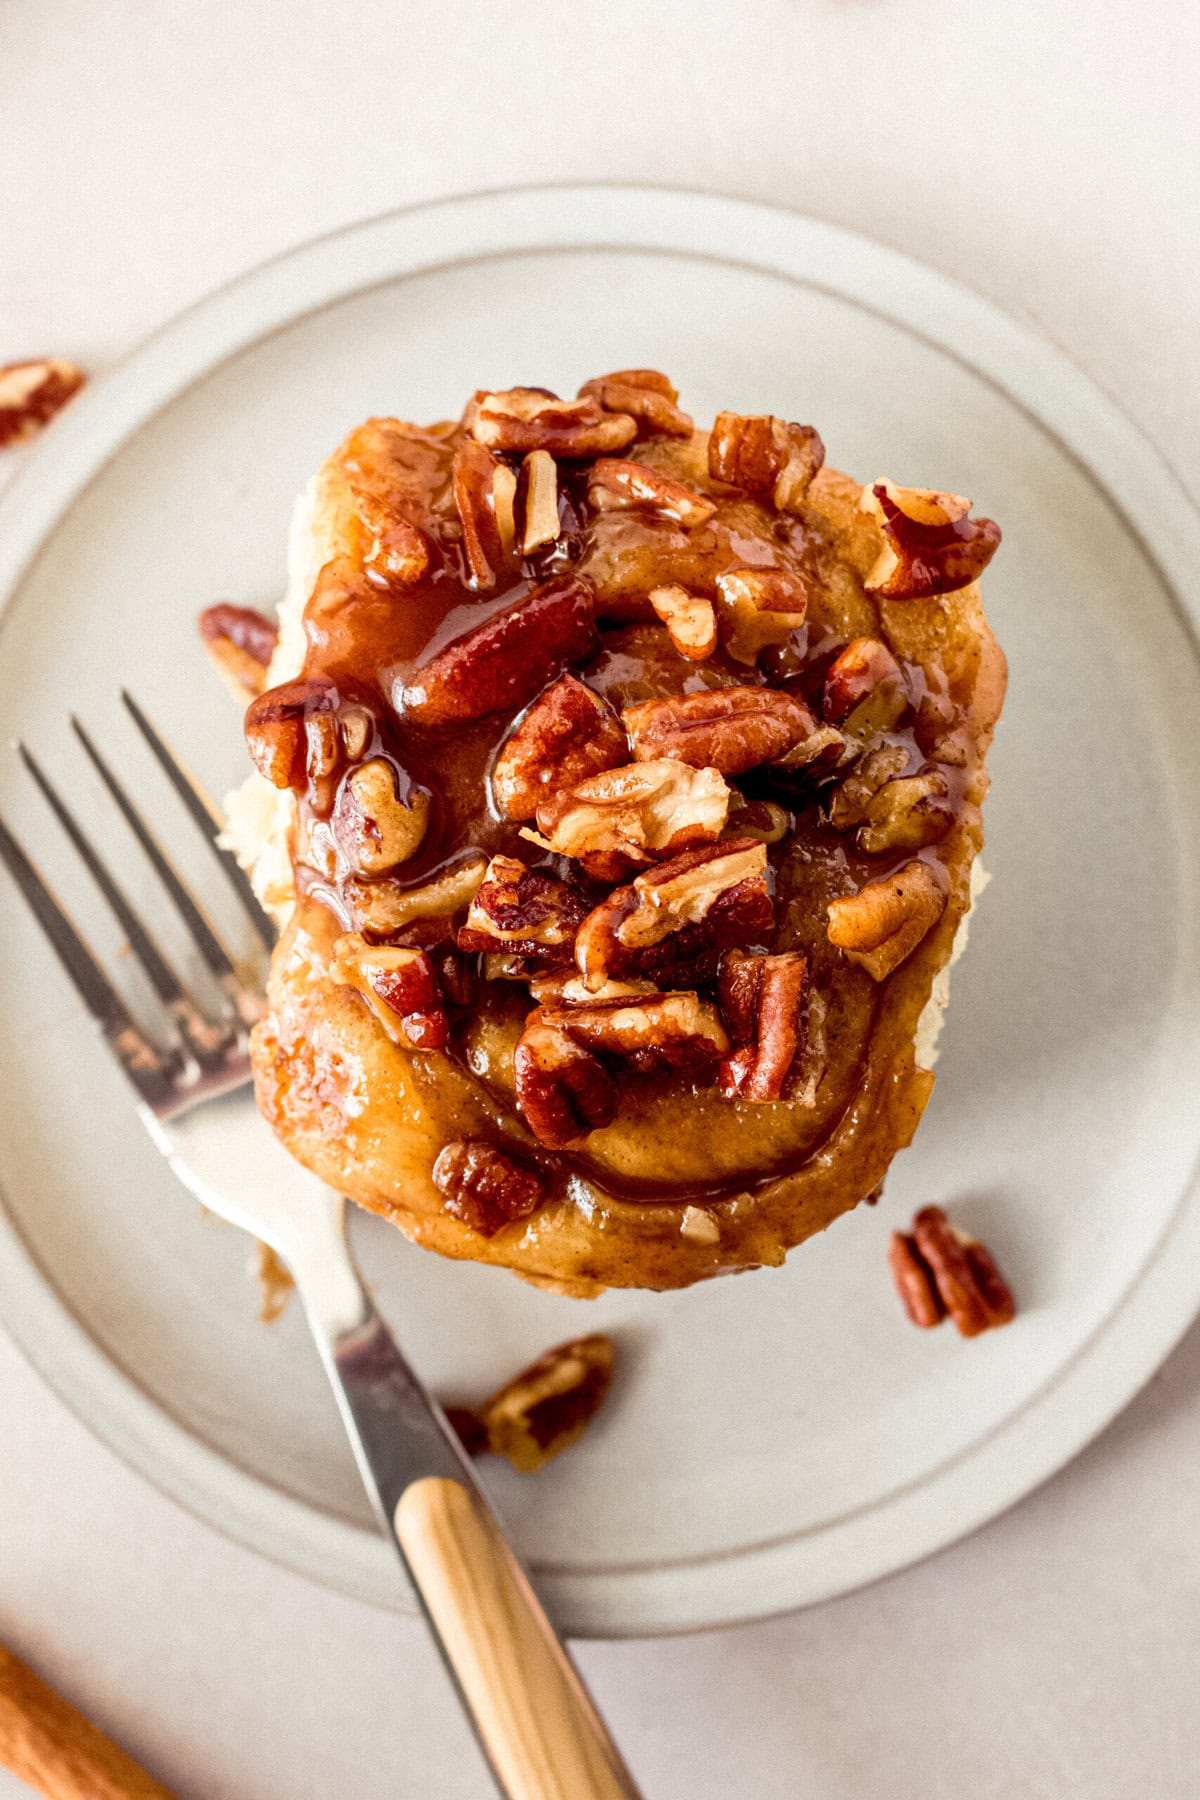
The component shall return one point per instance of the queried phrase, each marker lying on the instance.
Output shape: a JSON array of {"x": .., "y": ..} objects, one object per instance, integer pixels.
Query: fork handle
[{"x": 535, "y": 1721}]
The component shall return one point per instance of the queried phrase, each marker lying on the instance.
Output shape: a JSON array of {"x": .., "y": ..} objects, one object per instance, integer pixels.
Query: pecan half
[
  {"x": 287, "y": 724},
  {"x": 614, "y": 484},
  {"x": 938, "y": 1270},
  {"x": 379, "y": 817},
  {"x": 568, "y": 734},
  {"x": 635, "y": 813},
  {"x": 930, "y": 544},
  {"x": 525, "y": 419},
  {"x": 396, "y": 554},
  {"x": 523, "y": 913},
  {"x": 241, "y": 643},
  {"x": 562, "y": 1089},
  {"x": 663, "y": 902},
  {"x": 646, "y": 396},
  {"x": 763, "y": 1000},
  {"x": 689, "y": 618},
  {"x": 674, "y": 1031},
  {"x": 886, "y": 920},
  {"x": 388, "y": 908},
  {"x": 400, "y": 986},
  {"x": 541, "y": 501},
  {"x": 502, "y": 663},
  {"x": 865, "y": 690},
  {"x": 731, "y": 729},
  {"x": 484, "y": 1187},
  {"x": 483, "y": 498},
  {"x": 32, "y": 392},
  {"x": 758, "y": 608},
  {"x": 763, "y": 454},
  {"x": 545, "y": 1408}
]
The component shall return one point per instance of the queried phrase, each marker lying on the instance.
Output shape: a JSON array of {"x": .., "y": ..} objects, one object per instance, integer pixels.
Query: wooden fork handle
[
  {"x": 538, "y": 1727},
  {"x": 58, "y": 1752}
]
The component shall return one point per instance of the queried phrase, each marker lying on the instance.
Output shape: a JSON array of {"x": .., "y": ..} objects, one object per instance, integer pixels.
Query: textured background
[{"x": 1048, "y": 156}]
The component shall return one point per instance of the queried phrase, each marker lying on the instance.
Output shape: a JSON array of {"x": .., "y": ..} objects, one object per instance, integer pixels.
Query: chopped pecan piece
[
  {"x": 562, "y": 1089},
  {"x": 886, "y": 920},
  {"x": 541, "y": 501},
  {"x": 502, "y": 663},
  {"x": 522, "y": 913},
  {"x": 930, "y": 545},
  {"x": 563, "y": 987},
  {"x": 938, "y": 1270},
  {"x": 241, "y": 643},
  {"x": 544, "y": 1409},
  {"x": 32, "y": 392},
  {"x": 758, "y": 608},
  {"x": 485, "y": 1187},
  {"x": 525, "y": 419},
  {"x": 851, "y": 800},
  {"x": 380, "y": 817},
  {"x": 400, "y": 986},
  {"x": 763, "y": 1000},
  {"x": 625, "y": 817},
  {"x": 866, "y": 690},
  {"x": 646, "y": 396},
  {"x": 285, "y": 725},
  {"x": 568, "y": 734},
  {"x": 387, "y": 907},
  {"x": 907, "y": 814},
  {"x": 764, "y": 454},
  {"x": 483, "y": 498},
  {"x": 614, "y": 484},
  {"x": 731, "y": 729},
  {"x": 685, "y": 893},
  {"x": 762, "y": 820},
  {"x": 674, "y": 1031},
  {"x": 396, "y": 554},
  {"x": 690, "y": 621}
]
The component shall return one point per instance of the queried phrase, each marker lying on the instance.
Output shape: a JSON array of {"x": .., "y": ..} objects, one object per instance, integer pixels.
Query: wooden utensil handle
[
  {"x": 540, "y": 1731},
  {"x": 56, "y": 1750}
]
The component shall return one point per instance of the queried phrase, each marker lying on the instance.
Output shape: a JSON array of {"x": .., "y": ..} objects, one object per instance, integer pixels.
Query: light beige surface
[{"x": 1052, "y": 1654}]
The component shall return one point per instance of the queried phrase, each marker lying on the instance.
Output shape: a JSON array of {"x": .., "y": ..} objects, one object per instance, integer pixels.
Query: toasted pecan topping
[
  {"x": 568, "y": 734},
  {"x": 886, "y": 920},
  {"x": 676, "y": 1030},
  {"x": 523, "y": 913},
  {"x": 758, "y": 608},
  {"x": 375, "y": 828},
  {"x": 614, "y": 484},
  {"x": 930, "y": 544},
  {"x": 646, "y": 396},
  {"x": 865, "y": 689},
  {"x": 689, "y": 618},
  {"x": 541, "y": 501},
  {"x": 525, "y": 419},
  {"x": 636, "y": 812},
  {"x": 907, "y": 814},
  {"x": 679, "y": 895},
  {"x": 32, "y": 392},
  {"x": 562, "y": 1089},
  {"x": 764, "y": 454},
  {"x": 503, "y": 662},
  {"x": 938, "y": 1270},
  {"x": 400, "y": 986},
  {"x": 485, "y": 1187},
  {"x": 389, "y": 907},
  {"x": 731, "y": 729},
  {"x": 241, "y": 643},
  {"x": 286, "y": 725},
  {"x": 483, "y": 499},
  {"x": 851, "y": 800},
  {"x": 763, "y": 1000}
]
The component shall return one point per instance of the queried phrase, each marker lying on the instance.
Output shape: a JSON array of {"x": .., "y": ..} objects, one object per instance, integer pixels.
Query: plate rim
[{"x": 1153, "y": 1310}]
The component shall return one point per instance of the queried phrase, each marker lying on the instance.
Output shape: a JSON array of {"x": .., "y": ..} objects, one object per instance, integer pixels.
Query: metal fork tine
[
  {"x": 152, "y": 1071},
  {"x": 203, "y": 936},
  {"x": 205, "y": 1039},
  {"x": 205, "y": 815}
]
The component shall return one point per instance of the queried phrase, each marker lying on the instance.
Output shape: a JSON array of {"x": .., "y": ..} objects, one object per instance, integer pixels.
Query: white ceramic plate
[{"x": 787, "y": 1435}]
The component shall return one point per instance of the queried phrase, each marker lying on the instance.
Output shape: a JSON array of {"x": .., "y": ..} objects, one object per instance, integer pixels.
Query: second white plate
[{"x": 786, "y": 1435}]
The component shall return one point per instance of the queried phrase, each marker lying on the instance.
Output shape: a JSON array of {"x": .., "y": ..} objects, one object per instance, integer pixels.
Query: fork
[{"x": 536, "y": 1724}]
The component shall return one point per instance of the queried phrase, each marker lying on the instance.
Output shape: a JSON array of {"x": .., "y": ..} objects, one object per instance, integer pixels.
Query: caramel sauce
[{"x": 371, "y": 639}]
